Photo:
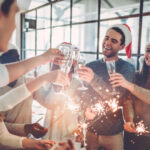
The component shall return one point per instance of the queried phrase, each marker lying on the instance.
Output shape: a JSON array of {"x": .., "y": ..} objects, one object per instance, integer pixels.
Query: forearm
[
  {"x": 141, "y": 93},
  {"x": 13, "y": 97},
  {"x": 44, "y": 96},
  {"x": 18, "y": 69},
  {"x": 128, "y": 111},
  {"x": 18, "y": 94},
  {"x": 37, "y": 83},
  {"x": 15, "y": 128},
  {"x": 7, "y": 139}
]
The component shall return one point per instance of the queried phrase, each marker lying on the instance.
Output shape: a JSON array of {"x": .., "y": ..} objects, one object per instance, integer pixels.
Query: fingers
[
  {"x": 46, "y": 144},
  {"x": 130, "y": 127},
  {"x": 90, "y": 114},
  {"x": 37, "y": 130},
  {"x": 71, "y": 144},
  {"x": 63, "y": 78},
  {"x": 116, "y": 79},
  {"x": 66, "y": 145},
  {"x": 116, "y": 82},
  {"x": 55, "y": 53},
  {"x": 85, "y": 74}
]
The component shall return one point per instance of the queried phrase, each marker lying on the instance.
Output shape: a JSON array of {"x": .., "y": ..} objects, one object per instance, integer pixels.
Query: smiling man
[{"x": 107, "y": 131}]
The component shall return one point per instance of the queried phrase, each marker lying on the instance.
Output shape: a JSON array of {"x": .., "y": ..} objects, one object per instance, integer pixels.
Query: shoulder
[
  {"x": 126, "y": 65},
  {"x": 94, "y": 64}
]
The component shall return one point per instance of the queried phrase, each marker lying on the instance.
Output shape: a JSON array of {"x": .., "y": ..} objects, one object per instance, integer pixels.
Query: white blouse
[
  {"x": 14, "y": 96},
  {"x": 4, "y": 75},
  {"x": 8, "y": 101}
]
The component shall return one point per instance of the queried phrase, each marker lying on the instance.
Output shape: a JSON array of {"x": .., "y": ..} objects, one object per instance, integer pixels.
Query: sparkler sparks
[
  {"x": 113, "y": 104},
  {"x": 99, "y": 108},
  {"x": 140, "y": 128},
  {"x": 73, "y": 107}
]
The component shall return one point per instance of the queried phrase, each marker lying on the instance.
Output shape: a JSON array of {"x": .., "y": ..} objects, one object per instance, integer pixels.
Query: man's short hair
[{"x": 122, "y": 34}]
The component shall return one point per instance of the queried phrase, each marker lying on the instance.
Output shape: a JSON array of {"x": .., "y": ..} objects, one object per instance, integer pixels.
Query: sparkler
[
  {"x": 84, "y": 126},
  {"x": 73, "y": 107},
  {"x": 113, "y": 104},
  {"x": 99, "y": 108},
  {"x": 140, "y": 128}
]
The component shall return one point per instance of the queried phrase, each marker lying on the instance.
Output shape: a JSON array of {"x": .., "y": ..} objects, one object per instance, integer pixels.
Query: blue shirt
[{"x": 111, "y": 123}]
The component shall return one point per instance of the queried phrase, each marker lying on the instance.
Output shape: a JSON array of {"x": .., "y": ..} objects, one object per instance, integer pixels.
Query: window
[{"x": 84, "y": 23}]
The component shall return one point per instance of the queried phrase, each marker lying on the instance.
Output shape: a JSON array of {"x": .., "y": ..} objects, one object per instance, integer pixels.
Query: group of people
[
  {"x": 114, "y": 130},
  {"x": 11, "y": 72}
]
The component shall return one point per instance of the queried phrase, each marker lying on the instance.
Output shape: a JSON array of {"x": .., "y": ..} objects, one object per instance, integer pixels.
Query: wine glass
[
  {"x": 111, "y": 68},
  {"x": 66, "y": 65}
]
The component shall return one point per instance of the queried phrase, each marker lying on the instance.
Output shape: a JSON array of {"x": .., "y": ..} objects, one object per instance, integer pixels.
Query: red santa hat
[{"x": 128, "y": 38}]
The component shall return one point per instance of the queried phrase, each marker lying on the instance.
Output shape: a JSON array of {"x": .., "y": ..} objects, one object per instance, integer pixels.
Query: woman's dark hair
[
  {"x": 120, "y": 31},
  {"x": 5, "y": 7},
  {"x": 9, "y": 57},
  {"x": 141, "y": 77}
]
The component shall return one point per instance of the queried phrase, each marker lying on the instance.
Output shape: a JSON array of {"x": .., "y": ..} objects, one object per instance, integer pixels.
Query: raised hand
[
  {"x": 117, "y": 79},
  {"x": 52, "y": 54},
  {"x": 65, "y": 146},
  {"x": 35, "y": 129},
  {"x": 38, "y": 144},
  {"x": 90, "y": 114},
  {"x": 58, "y": 77},
  {"x": 85, "y": 74}
]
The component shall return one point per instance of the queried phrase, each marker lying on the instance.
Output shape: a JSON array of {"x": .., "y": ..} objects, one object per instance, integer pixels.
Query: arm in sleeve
[
  {"x": 44, "y": 96},
  {"x": 13, "y": 97},
  {"x": 4, "y": 75},
  {"x": 8, "y": 139},
  {"x": 15, "y": 128}
]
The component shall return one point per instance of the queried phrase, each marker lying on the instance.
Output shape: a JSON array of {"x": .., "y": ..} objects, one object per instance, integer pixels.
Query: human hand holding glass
[
  {"x": 80, "y": 63},
  {"x": 111, "y": 68},
  {"x": 66, "y": 64}
]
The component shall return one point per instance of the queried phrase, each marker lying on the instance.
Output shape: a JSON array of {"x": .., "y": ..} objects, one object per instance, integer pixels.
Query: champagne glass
[
  {"x": 78, "y": 63},
  {"x": 76, "y": 57},
  {"x": 81, "y": 62},
  {"x": 111, "y": 68},
  {"x": 66, "y": 49},
  {"x": 66, "y": 65}
]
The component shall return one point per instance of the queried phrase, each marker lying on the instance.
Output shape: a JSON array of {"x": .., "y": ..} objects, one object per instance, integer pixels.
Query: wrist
[
  {"x": 128, "y": 120},
  {"x": 27, "y": 143},
  {"x": 26, "y": 129},
  {"x": 42, "y": 59},
  {"x": 131, "y": 86}
]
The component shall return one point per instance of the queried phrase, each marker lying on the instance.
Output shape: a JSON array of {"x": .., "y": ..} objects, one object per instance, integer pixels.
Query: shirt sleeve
[
  {"x": 13, "y": 97},
  {"x": 4, "y": 75},
  {"x": 7, "y": 139}
]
